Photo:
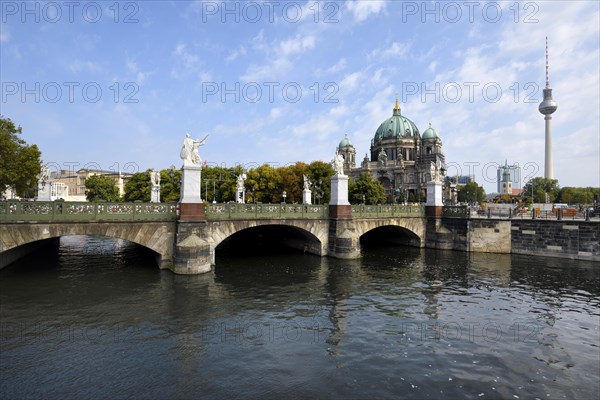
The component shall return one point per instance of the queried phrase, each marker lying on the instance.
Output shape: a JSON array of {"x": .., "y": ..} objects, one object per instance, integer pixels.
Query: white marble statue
[
  {"x": 306, "y": 182},
  {"x": 338, "y": 163},
  {"x": 44, "y": 175},
  {"x": 240, "y": 182},
  {"x": 435, "y": 171},
  {"x": 189, "y": 150},
  {"x": 155, "y": 177}
]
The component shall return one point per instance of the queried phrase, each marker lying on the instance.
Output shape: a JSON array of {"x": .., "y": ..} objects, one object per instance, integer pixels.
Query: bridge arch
[
  {"x": 18, "y": 239},
  {"x": 310, "y": 236},
  {"x": 407, "y": 231}
]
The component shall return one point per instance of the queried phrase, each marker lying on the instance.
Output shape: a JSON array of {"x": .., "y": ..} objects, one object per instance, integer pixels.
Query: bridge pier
[
  {"x": 193, "y": 255},
  {"x": 344, "y": 241}
]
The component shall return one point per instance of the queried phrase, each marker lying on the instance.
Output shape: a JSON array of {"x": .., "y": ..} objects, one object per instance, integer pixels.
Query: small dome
[
  {"x": 429, "y": 133},
  {"x": 345, "y": 142}
]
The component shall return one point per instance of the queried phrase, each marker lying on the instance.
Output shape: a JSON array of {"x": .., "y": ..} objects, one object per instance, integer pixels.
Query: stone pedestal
[
  {"x": 155, "y": 194},
  {"x": 190, "y": 184},
  {"x": 192, "y": 212},
  {"x": 306, "y": 196},
  {"x": 44, "y": 193},
  {"x": 434, "y": 205},
  {"x": 340, "y": 212},
  {"x": 339, "y": 190},
  {"x": 240, "y": 195}
]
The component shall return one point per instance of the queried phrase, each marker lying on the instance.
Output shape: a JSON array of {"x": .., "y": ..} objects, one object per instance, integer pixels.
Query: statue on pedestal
[
  {"x": 240, "y": 190},
  {"x": 189, "y": 150},
  {"x": 155, "y": 177},
  {"x": 306, "y": 182},
  {"x": 338, "y": 163}
]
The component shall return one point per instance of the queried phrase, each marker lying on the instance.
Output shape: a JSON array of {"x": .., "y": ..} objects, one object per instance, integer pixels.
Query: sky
[{"x": 116, "y": 85}]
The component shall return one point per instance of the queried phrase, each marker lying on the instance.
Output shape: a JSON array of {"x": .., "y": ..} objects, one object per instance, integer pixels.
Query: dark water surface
[{"x": 95, "y": 318}]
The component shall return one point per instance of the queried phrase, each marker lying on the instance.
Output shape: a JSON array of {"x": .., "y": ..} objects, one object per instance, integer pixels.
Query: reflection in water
[{"x": 95, "y": 318}]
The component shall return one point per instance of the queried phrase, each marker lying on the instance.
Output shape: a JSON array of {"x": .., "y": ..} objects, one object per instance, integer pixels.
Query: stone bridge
[{"x": 188, "y": 246}]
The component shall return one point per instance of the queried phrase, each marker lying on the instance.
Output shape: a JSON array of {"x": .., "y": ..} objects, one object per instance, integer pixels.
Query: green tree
[
  {"x": 372, "y": 190},
  {"x": 292, "y": 178},
  {"x": 100, "y": 187},
  {"x": 138, "y": 187},
  {"x": 320, "y": 174},
  {"x": 170, "y": 185},
  {"x": 471, "y": 192},
  {"x": 219, "y": 183},
  {"x": 264, "y": 185},
  {"x": 577, "y": 195},
  {"x": 20, "y": 163},
  {"x": 541, "y": 187}
]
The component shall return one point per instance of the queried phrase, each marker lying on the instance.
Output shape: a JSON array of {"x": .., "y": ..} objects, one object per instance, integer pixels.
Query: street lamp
[{"x": 284, "y": 196}]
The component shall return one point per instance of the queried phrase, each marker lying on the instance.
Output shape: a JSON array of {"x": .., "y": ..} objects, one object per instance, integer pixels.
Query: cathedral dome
[
  {"x": 396, "y": 127},
  {"x": 429, "y": 133},
  {"x": 345, "y": 143}
]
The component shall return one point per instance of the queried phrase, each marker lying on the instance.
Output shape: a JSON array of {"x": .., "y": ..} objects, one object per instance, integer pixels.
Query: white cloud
[
  {"x": 188, "y": 59},
  {"x": 4, "y": 36},
  {"x": 395, "y": 50},
  {"x": 295, "y": 45},
  {"x": 79, "y": 66},
  {"x": 350, "y": 82},
  {"x": 279, "y": 56},
  {"x": 361, "y": 9},
  {"x": 240, "y": 51},
  {"x": 140, "y": 76},
  {"x": 186, "y": 62},
  {"x": 338, "y": 66}
]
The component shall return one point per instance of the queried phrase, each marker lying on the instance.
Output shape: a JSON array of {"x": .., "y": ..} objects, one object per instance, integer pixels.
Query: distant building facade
[
  {"x": 514, "y": 172},
  {"x": 400, "y": 157},
  {"x": 72, "y": 183}
]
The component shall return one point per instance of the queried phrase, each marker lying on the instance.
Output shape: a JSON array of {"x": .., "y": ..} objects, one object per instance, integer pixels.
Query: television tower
[{"x": 547, "y": 107}]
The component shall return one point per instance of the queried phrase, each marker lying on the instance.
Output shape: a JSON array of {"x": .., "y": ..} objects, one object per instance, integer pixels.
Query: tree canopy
[
  {"x": 170, "y": 185},
  {"x": 541, "y": 187},
  {"x": 138, "y": 187},
  {"x": 100, "y": 187},
  {"x": 372, "y": 190},
  {"x": 20, "y": 163},
  {"x": 577, "y": 195},
  {"x": 471, "y": 192}
]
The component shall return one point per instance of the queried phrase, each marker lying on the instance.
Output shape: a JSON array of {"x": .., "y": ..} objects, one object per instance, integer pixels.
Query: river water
[{"x": 95, "y": 318}]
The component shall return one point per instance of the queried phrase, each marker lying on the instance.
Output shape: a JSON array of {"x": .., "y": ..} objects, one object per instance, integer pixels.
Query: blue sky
[{"x": 118, "y": 84}]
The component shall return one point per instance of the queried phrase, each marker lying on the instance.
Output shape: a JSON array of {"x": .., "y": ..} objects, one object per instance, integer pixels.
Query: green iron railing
[
  {"x": 63, "y": 211},
  {"x": 388, "y": 210},
  {"x": 265, "y": 211},
  {"x": 454, "y": 212}
]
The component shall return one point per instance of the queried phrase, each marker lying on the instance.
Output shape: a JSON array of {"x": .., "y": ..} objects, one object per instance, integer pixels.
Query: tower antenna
[{"x": 547, "y": 75}]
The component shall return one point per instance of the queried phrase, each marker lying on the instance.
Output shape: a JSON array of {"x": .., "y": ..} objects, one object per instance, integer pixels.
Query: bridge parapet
[
  {"x": 454, "y": 212},
  {"x": 387, "y": 210},
  {"x": 62, "y": 211},
  {"x": 215, "y": 212}
]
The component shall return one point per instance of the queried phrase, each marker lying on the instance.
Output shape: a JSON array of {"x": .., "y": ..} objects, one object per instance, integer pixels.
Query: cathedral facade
[{"x": 400, "y": 157}]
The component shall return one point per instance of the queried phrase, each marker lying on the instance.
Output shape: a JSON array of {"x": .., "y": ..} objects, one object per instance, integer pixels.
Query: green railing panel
[
  {"x": 387, "y": 210},
  {"x": 265, "y": 211},
  {"x": 454, "y": 212},
  {"x": 62, "y": 211}
]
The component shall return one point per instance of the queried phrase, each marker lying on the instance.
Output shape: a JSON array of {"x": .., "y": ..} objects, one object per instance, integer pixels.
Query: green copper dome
[
  {"x": 396, "y": 127},
  {"x": 429, "y": 133},
  {"x": 345, "y": 142}
]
